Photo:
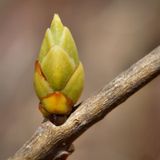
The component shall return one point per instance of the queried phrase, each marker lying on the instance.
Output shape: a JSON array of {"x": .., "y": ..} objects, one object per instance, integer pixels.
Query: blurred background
[{"x": 110, "y": 35}]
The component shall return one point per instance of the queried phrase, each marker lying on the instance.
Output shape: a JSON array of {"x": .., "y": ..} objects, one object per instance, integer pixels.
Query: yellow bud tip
[
  {"x": 56, "y": 17},
  {"x": 56, "y": 22}
]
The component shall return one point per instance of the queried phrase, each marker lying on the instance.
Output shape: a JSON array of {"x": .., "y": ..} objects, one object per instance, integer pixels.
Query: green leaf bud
[{"x": 59, "y": 74}]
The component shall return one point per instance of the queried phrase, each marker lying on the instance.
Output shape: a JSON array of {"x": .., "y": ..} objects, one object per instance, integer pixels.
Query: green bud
[{"x": 59, "y": 75}]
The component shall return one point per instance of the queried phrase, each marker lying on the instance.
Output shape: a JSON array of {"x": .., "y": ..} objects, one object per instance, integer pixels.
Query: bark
[{"x": 50, "y": 141}]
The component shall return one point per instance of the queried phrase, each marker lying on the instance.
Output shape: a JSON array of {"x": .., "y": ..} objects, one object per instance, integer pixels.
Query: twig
[{"x": 49, "y": 140}]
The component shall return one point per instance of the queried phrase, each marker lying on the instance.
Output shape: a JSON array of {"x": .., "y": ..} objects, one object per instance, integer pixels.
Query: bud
[{"x": 59, "y": 75}]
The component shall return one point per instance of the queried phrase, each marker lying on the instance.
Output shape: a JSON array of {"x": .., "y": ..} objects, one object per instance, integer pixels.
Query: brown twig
[{"x": 50, "y": 141}]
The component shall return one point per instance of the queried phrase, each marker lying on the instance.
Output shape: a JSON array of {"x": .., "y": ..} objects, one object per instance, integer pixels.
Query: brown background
[{"x": 110, "y": 36}]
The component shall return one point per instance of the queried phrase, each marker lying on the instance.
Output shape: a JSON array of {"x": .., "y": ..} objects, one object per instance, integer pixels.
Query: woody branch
[{"x": 49, "y": 140}]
